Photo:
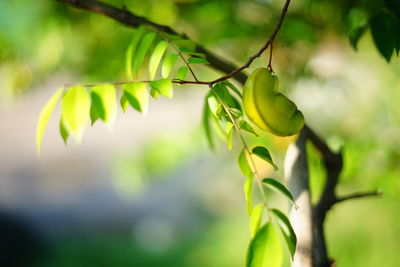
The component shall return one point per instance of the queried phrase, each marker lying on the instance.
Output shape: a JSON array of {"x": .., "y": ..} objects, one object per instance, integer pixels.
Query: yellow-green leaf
[
  {"x": 142, "y": 50},
  {"x": 63, "y": 131},
  {"x": 228, "y": 130},
  {"x": 168, "y": 64},
  {"x": 132, "y": 49},
  {"x": 255, "y": 219},
  {"x": 163, "y": 86},
  {"x": 248, "y": 194},
  {"x": 263, "y": 153},
  {"x": 287, "y": 231},
  {"x": 274, "y": 184},
  {"x": 244, "y": 164},
  {"x": 137, "y": 96},
  {"x": 104, "y": 102},
  {"x": 76, "y": 110},
  {"x": 265, "y": 248},
  {"x": 156, "y": 58},
  {"x": 181, "y": 73},
  {"x": 45, "y": 116}
]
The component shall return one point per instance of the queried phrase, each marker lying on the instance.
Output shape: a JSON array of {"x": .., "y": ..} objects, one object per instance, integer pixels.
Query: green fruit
[{"x": 267, "y": 108}]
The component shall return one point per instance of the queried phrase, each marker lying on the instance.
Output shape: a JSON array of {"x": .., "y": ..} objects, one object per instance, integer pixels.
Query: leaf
[
  {"x": 255, "y": 219},
  {"x": 263, "y": 153},
  {"x": 236, "y": 113},
  {"x": 274, "y": 184},
  {"x": 287, "y": 231},
  {"x": 187, "y": 45},
  {"x": 104, "y": 98},
  {"x": 156, "y": 58},
  {"x": 131, "y": 49},
  {"x": 76, "y": 110},
  {"x": 136, "y": 94},
  {"x": 191, "y": 53},
  {"x": 226, "y": 96},
  {"x": 63, "y": 131},
  {"x": 383, "y": 30},
  {"x": 356, "y": 34},
  {"x": 168, "y": 64},
  {"x": 124, "y": 102},
  {"x": 44, "y": 117},
  {"x": 244, "y": 164},
  {"x": 393, "y": 6},
  {"x": 181, "y": 73},
  {"x": 154, "y": 93},
  {"x": 214, "y": 105},
  {"x": 244, "y": 125},
  {"x": 228, "y": 130},
  {"x": 265, "y": 249},
  {"x": 198, "y": 60},
  {"x": 163, "y": 86},
  {"x": 248, "y": 193},
  {"x": 142, "y": 50},
  {"x": 232, "y": 87},
  {"x": 206, "y": 124}
]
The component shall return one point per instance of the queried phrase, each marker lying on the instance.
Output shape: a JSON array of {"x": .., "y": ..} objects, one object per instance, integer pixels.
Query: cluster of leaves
[{"x": 383, "y": 21}]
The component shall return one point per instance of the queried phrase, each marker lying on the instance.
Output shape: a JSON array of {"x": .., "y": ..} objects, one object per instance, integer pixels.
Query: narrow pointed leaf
[
  {"x": 156, "y": 58},
  {"x": 142, "y": 50},
  {"x": 228, "y": 130},
  {"x": 181, "y": 73},
  {"x": 104, "y": 103},
  {"x": 168, "y": 64},
  {"x": 137, "y": 96},
  {"x": 154, "y": 93},
  {"x": 63, "y": 131},
  {"x": 191, "y": 53},
  {"x": 164, "y": 87},
  {"x": 198, "y": 60},
  {"x": 76, "y": 110},
  {"x": 124, "y": 102},
  {"x": 132, "y": 49},
  {"x": 263, "y": 153},
  {"x": 255, "y": 219},
  {"x": 207, "y": 126},
  {"x": 244, "y": 164},
  {"x": 265, "y": 248},
  {"x": 244, "y": 125},
  {"x": 248, "y": 194},
  {"x": 274, "y": 184},
  {"x": 44, "y": 117},
  {"x": 287, "y": 231},
  {"x": 233, "y": 88},
  {"x": 383, "y": 31}
]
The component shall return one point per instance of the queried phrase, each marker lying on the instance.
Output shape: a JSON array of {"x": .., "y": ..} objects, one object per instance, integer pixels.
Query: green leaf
[
  {"x": 393, "y": 6},
  {"x": 168, "y": 64},
  {"x": 287, "y": 231},
  {"x": 356, "y": 34},
  {"x": 191, "y": 53},
  {"x": 236, "y": 113},
  {"x": 154, "y": 93},
  {"x": 187, "y": 45},
  {"x": 198, "y": 60},
  {"x": 163, "y": 86},
  {"x": 255, "y": 219},
  {"x": 265, "y": 248},
  {"x": 244, "y": 125},
  {"x": 76, "y": 110},
  {"x": 156, "y": 58},
  {"x": 136, "y": 94},
  {"x": 228, "y": 130},
  {"x": 274, "y": 184},
  {"x": 206, "y": 124},
  {"x": 244, "y": 164},
  {"x": 131, "y": 49},
  {"x": 383, "y": 30},
  {"x": 104, "y": 99},
  {"x": 214, "y": 105},
  {"x": 226, "y": 96},
  {"x": 45, "y": 116},
  {"x": 124, "y": 102},
  {"x": 233, "y": 88},
  {"x": 181, "y": 73},
  {"x": 248, "y": 193},
  {"x": 142, "y": 50},
  {"x": 263, "y": 153},
  {"x": 63, "y": 131}
]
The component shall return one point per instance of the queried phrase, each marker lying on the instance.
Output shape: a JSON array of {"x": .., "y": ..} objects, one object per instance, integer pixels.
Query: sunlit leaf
[
  {"x": 248, "y": 193},
  {"x": 137, "y": 96},
  {"x": 255, "y": 219},
  {"x": 45, "y": 116},
  {"x": 287, "y": 231},
  {"x": 244, "y": 164},
  {"x": 233, "y": 88},
  {"x": 191, "y": 53},
  {"x": 206, "y": 124},
  {"x": 168, "y": 64},
  {"x": 265, "y": 248},
  {"x": 76, "y": 110},
  {"x": 214, "y": 105},
  {"x": 228, "y": 130},
  {"x": 104, "y": 103},
  {"x": 163, "y": 86},
  {"x": 63, "y": 131},
  {"x": 274, "y": 184},
  {"x": 181, "y": 73},
  {"x": 263, "y": 153},
  {"x": 226, "y": 97},
  {"x": 244, "y": 125},
  {"x": 124, "y": 102},
  {"x": 137, "y": 35},
  {"x": 154, "y": 93},
  {"x": 156, "y": 58},
  {"x": 198, "y": 60},
  {"x": 142, "y": 50}
]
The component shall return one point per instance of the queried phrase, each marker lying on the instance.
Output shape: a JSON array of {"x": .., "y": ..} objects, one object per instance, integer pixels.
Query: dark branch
[{"x": 359, "y": 195}]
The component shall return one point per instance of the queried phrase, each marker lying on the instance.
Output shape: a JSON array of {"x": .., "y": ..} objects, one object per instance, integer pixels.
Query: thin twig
[{"x": 359, "y": 195}]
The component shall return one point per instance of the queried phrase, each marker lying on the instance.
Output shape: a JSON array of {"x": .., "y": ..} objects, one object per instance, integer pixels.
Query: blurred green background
[{"x": 151, "y": 193}]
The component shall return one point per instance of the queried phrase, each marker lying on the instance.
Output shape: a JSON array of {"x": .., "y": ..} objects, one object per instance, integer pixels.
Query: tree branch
[{"x": 359, "y": 195}]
